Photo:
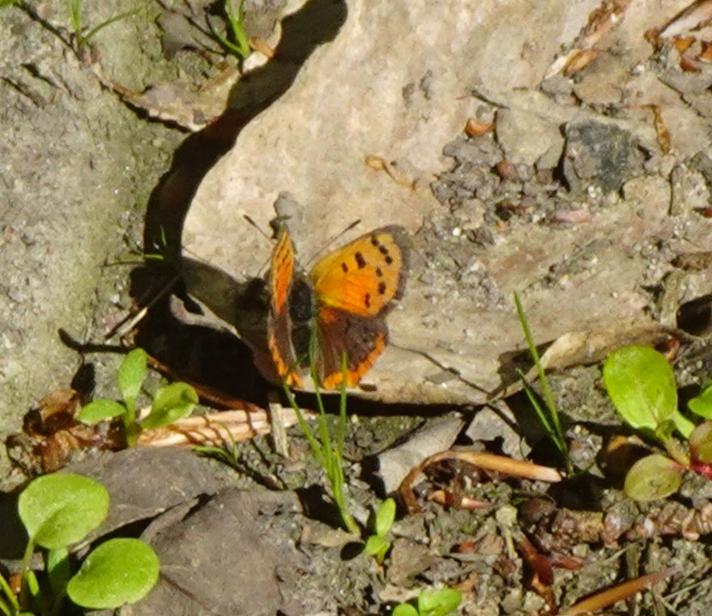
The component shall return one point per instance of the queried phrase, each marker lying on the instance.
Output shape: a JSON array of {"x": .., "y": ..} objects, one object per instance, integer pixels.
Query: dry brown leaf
[
  {"x": 706, "y": 54},
  {"x": 600, "y": 22},
  {"x": 377, "y": 163},
  {"x": 592, "y": 346},
  {"x": 661, "y": 130},
  {"x": 213, "y": 429},
  {"x": 683, "y": 43},
  {"x": 579, "y": 60},
  {"x": 691, "y": 18},
  {"x": 475, "y": 128},
  {"x": 617, "y": 593},
  {"x": 485, "y": 461}
]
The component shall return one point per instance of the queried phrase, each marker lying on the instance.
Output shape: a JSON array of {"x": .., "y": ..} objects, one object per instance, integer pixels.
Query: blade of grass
[
  {"x": 108, "y": 22},
  {"x": 551, "y": 424},
  {"x": 14, "y": 606}
]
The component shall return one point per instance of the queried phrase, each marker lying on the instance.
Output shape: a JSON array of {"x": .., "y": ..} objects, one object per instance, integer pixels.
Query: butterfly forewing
[
  {"x": 365, "y": 276},
  {"x": 281, "y": 272},
  {"x": 279, "y": 322}
]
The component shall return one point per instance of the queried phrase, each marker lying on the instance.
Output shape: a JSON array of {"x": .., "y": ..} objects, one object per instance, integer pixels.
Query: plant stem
[
  {"x": 677, "y": 452},
  {"x": 26, "y": 558},
  {"x": 550, "y": 418}
]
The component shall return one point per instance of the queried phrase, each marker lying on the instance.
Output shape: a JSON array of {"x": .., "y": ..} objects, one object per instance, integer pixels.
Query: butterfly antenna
[
  {"x": 256, "y": 226},
  {"x": 346, "y": 229}
]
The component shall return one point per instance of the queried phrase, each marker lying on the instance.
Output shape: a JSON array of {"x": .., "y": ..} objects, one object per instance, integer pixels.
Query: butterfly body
[{"x": 338, "y": 309}]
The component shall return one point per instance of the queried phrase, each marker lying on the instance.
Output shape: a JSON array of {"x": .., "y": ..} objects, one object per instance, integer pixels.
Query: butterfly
[{"x": 339, "y": 308}]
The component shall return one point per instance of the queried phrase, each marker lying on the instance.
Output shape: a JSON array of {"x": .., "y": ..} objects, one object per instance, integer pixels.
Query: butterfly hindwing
[
  {"x": 360, "y": 339},
  {"x": 365, "y": 276}
]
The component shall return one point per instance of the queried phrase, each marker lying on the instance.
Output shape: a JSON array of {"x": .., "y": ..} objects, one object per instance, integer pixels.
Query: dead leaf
[
  {"x": 691, "y": 18},
  {"x": 617, "y": 593},
  {"x": 213, "y": 429},
  {"x": 600, "y": 22},
  {"x": 476, "y": 128},
  {"x": 378, "y": 163},
  {"x": 661, "y": 130},
  {"x": 485, "y": 461},
  {"x": 578, "y": 60},
  {"x": 592, "y": 346}
]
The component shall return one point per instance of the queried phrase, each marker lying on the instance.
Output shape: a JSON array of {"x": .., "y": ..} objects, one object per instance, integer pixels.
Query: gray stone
[
  {"x": 528, "y": 138},
  {"x": 601, "y": 155}
]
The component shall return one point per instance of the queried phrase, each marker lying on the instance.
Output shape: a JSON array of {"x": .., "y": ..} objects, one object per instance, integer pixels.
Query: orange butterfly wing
[
  {"x": 365, "y": 276},
  {"x": 355, "y": 287},
  {"x": 279, "y": 326}
]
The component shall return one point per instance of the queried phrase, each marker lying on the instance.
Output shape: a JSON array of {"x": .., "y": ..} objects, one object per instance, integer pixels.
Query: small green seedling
[
  {"x": 641, "y": 384},
  {"x": 431, "y": 603},
  {"x": 548, "y": 414},
  {"x": 378, "y": 544},
  {"x": 228, "y": 454},
  {"x": 235, "y": 13},
  {"x": 57, "y": 511},
  {"x": 170, "y": 403},
  {"x": 75, "y": 18},
  {"x": 326, "y": 448}
]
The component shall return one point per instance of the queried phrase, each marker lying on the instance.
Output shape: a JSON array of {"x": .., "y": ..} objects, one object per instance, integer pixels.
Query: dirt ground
[{"x": 96, "y": 174}]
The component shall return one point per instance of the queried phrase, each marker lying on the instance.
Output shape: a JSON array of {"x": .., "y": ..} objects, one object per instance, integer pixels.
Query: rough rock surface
[{"x": 392, "y": 90}]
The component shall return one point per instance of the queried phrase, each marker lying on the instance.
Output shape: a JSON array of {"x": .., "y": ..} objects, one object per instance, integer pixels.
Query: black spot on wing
[
  {"x": 382, "y": 288},
  {"x": 360, "y": 261}
]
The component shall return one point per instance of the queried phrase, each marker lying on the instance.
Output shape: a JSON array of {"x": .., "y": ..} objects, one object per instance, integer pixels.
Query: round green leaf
[
  {"x": 702, "y": 405},
  {"x": 60, "y": 509},
  {"x": 119, "y": 571},
  {"x": 377, "y": 546},
  {"x": 438, "y": 602},
  {"x": 653, "y": 477},
  {"x": 99, "y": 410},
  {"x": 701, "y": 442},
  {"x": 131, "y": 374},
  {"x": 385, "y": 516},
  {"x": 170, "y": 404},
  {"x": 405, "y": 609},
  {"x": 641, "y": 384}
]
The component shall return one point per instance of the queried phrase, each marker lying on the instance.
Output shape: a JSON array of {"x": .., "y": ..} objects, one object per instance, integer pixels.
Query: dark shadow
[
  {"x": 695, "y": 316},
  {"x": 13, "y": 537},
  {"x": 201, "y": 352},
  {"x": 316, "y": 506}
]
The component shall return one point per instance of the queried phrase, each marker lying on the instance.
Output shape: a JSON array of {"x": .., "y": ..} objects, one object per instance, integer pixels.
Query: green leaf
[
  {"x": 385, "y": 516},
  {"x": 170, "y": 404},
  {"x": 404, "y": 609},
  {"x": 60, "y": 509},
  {"x": 377, "y": 547},
  {"x": 99, "y": 410},
  {"x": 702, "y": 405},
  {"x": 438, "y": 602},
  {"x": 641, "y": 384},
  {"x": 701, "y": 442},
  {"x": 131, "y": 374},
  {"x": 682, "y": 424},
  {"x": 653, "y": 477},
  {"x": 119, "y": 571}
]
